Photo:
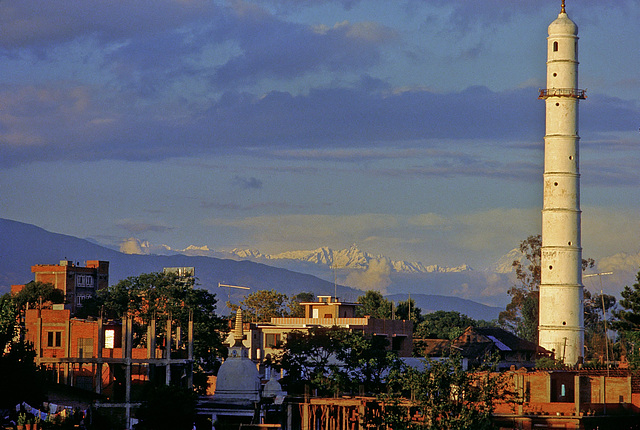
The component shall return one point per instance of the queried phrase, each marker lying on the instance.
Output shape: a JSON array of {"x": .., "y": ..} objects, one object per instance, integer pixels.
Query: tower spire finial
[{"x": 562, "y": 10}]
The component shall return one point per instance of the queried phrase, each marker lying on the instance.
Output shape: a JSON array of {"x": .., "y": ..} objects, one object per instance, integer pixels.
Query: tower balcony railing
[{"x": 562, "y": 92}]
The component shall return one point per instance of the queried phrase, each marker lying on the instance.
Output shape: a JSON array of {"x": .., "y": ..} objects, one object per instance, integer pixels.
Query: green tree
[
  {"x": 306, "y": 358},
  {"x": 34, "y": 294},
  {"x": 296, "y": 310},
  {"x": 334, "y": 359},
  {"x": 629, "y": 315},
  {"x": 8, "y": 321},
  {"x": 444, "y": 396},
  {"x": 596, "y": 315},
  {"x": 158, "y": 295},
  {"x": 375, "y": 305},
  {"x": 365, "y": 360},
  {"x": 521, "y": 314},
  {"x": 21, "y": 380},
  {"x": 262, "y": 305},
  {"x": 628, "y": 322},
  {"x": 444, "y": 325},
  {"x": 409, "y": 306}
]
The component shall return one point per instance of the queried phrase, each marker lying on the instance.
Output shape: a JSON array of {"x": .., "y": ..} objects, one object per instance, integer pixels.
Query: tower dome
[
  {"x": 238, "y": 382},
  {"x": 562, "y": 25}
]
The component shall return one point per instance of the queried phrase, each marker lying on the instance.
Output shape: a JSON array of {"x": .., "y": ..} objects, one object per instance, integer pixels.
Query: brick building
[
  {"x": 100, "y": 356},
  {"x": 78, "y": 283},
  {"x": 580, "y": 399}
]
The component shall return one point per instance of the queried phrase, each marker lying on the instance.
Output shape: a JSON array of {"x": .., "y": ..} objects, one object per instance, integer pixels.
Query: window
[
  {"x": 555, "y": 46},
  {"x": 397, "y": 342},
  {"x": 85, "y": 347},
  {"x": 271, "y": 340},
  {"x": 109, "y": 338},
  {"x": 54, "y": 339}
]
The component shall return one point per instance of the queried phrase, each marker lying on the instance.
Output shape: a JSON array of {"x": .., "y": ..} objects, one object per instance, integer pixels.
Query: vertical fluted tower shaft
[{"x": 561, "y": 320}]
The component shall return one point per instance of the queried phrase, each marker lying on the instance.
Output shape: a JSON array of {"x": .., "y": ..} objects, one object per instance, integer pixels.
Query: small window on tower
[{"x": 555, "y": 46}]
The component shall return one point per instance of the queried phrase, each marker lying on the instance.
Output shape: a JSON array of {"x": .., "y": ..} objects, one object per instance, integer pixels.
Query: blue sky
[{"x": 411, "y": 128}]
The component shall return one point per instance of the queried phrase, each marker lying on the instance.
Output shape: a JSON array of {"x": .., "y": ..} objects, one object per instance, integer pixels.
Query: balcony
[{"x": 562, "y": 92}]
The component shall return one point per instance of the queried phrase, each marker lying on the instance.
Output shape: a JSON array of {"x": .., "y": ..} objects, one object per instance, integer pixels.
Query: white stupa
[{"x": 238, "y": 381}]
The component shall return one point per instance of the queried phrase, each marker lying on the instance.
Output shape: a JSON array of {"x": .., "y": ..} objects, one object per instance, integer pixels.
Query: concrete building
[
  {"x": 78, "y": 283},
  {"x": 561, "y": 325},
  {"x": 327, "y": 311}
]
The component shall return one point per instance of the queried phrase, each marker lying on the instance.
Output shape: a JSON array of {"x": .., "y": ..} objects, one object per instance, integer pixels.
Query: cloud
[
  {"x": 35, "y": 24},
  {"x": 60, "y": 120},
  {"x": 620, "y": 262},
  {"x": 280, "y": 233},
  {"x": 603, "y": 113},
  {"x": 134, "y": 226},
  {"x": 375, "y": 277},
  {"x": 607, "y": 231},
  {"x": 247, "y": 183},
  {"x": 132, "y": 246},
  {"x": 271, "y": 48},
  {"x": 431, "y": 220},
  {"x": 478, "y": 238},
  {"x": 229, "y": 206}
]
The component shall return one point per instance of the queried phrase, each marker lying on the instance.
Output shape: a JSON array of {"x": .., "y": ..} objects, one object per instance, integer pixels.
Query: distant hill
[
  {"x": 23, "y": 245},
  {"x": 429, "y": 303}
]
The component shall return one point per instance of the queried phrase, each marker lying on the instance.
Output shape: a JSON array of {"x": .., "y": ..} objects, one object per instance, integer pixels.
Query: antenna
[
  {"x": 221, "y": 285},
  {"x": 335, "y": 281},
  {"x": 238, "y": 287}
]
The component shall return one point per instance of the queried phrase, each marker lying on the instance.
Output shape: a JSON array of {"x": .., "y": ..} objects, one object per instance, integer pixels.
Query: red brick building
[
  {"x": 99, "y": 356},
  {"x": 580, "y": 399},
  {"x": 78, "y": 283}
]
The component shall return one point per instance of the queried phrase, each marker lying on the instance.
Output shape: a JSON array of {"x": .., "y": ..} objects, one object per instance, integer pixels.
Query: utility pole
[{"x": 604, "y": 314}]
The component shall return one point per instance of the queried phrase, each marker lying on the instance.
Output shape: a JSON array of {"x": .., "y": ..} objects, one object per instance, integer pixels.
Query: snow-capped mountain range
[{"x": 351, "y": 258}]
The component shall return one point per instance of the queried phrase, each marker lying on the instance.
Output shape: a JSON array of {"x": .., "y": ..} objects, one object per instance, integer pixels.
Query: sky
[{"x": 411, "y": 128}]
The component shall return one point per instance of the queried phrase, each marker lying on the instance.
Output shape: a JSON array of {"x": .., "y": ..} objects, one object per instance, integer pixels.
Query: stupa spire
[{"x": 238, "y": 333}]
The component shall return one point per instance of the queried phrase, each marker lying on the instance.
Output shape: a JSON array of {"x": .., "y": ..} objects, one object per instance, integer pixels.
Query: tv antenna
[
  {"x": 334, "y": 266},
  {"x": 221, "y": 285},
  {"x": 237, "y": 287}
]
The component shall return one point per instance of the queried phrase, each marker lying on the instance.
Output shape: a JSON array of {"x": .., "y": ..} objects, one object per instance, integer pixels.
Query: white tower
[{"x": 561, "y": 320}]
